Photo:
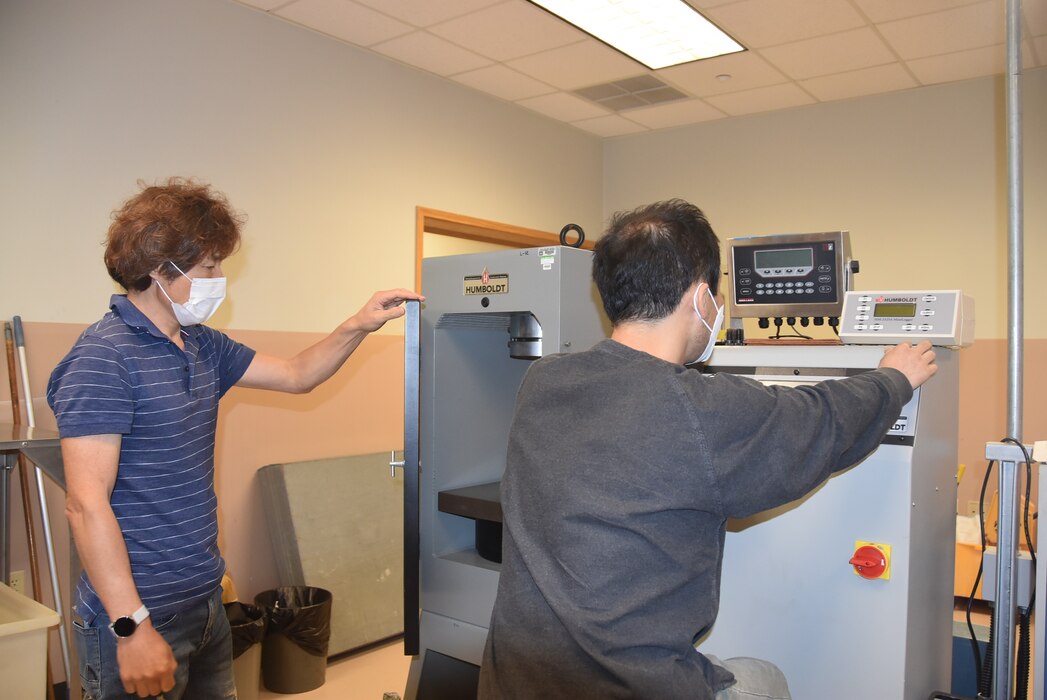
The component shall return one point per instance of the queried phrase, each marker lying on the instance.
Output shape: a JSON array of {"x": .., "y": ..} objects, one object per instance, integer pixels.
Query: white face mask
[
  {"x": 206, "y": 294},
  {"x": 714, "y": 330}
]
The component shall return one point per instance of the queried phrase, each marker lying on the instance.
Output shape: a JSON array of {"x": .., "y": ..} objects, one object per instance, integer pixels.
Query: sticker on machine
[
  {"x": 546, "y": 257},
  {"x": 486, "y": 283}
]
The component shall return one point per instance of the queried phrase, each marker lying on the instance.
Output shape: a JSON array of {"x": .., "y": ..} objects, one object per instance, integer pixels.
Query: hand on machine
[{"x": 916, "y": 362}]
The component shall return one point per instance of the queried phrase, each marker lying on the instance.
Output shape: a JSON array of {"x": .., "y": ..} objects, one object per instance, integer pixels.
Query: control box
[
  {"x": 945, "y": 317},
  {"x": 788, "y": 275}
]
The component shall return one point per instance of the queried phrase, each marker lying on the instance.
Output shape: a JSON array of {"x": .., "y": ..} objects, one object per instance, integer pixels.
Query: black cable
[
  {"x": 778, "y": 331},
  {"x": 1024, "y": 616},
  {"x": 1022, "y": 681},
  {"x": 796, "y": 333},
  {"x": 1028, "y": 497},
  {"x": 978, "y": 670}
]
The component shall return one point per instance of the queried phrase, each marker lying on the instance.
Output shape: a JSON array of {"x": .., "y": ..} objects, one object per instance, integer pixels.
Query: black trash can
[
  {"x": 294, "y": 652},
  {"x": 247, "y": 624}
]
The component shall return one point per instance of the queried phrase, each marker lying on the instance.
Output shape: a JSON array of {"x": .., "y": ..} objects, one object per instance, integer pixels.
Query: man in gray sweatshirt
[{"x": 623, "y": 466}]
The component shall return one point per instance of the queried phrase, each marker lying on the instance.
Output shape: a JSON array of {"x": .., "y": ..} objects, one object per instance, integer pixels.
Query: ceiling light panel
[{"x": 657, "y": 33}]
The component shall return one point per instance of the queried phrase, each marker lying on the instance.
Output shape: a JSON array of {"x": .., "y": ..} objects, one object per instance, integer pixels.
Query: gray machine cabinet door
[{"x": 412, "y": 338}]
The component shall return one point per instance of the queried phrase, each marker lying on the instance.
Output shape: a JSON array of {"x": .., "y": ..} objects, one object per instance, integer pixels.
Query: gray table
[{"x": 41, "y": 447}]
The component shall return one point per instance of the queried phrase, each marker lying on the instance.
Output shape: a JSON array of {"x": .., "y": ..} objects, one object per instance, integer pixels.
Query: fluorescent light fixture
[{"x": 657, "y": 33}]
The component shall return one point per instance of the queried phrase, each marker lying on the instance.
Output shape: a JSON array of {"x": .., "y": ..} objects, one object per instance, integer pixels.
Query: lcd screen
[
  {"x": 788, "y": 257},
  {"x": 894, "y": 310}
]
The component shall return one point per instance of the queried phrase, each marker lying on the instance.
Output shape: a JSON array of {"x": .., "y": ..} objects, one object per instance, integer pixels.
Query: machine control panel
[
  {"x": 796, "y": 274},
  {"x": 945, "y": 317}
]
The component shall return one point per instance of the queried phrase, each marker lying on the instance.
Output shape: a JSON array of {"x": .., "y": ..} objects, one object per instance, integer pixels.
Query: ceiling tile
[
  {"x": 422, "y": 13},
  {"x": 674, "y": 114},
  {"x": 969, "y": 27},
  {"x": 509, "y": 30},
  {"x": 703, "y": 4},
  {"x": 611, "y": 125},
  {"x": 761, "y": 99},
  {"x": 759, "y": 23},
  {"x": 344, "y": 20},
  {"x": 431, "y": 53},
  {"x": 578, "y": 65},
  {"x": 836, "y": 53},
  {"x": 504, "y": 82},
  {"x": 867, "y": 81},
  {"x": 746, "y": 69},
  {"x": 564, "y": 107},
  {"x": 263, "y": 4},
  {"x": 886, "y": 10},
  {"x": 963, "y": 65}
]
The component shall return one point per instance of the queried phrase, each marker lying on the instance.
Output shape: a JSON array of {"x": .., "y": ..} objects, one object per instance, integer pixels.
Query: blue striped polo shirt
[{"x": 123, "y": 376}]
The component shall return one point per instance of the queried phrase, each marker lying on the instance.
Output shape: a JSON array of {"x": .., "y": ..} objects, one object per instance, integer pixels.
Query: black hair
[{"x": 648, "y": 258}]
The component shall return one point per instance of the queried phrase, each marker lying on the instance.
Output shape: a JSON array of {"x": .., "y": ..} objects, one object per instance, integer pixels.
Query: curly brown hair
[{"x": 181, "y": 221}]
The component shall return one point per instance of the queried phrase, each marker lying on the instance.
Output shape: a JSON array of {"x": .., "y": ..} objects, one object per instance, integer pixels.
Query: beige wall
[
  {"x": 917, "y": 177},
  {"x": 919, "y": 180},
  {"x": 327, "y": 148}
]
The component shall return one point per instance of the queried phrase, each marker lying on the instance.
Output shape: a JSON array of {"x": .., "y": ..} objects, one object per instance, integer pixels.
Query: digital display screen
[
  {"x": 894, "y": 310},
  {"x": 787, "y": 257}
]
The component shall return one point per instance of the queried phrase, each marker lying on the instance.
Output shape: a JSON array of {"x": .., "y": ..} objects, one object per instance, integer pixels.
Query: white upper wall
[
  {"x": 326, "y": 148},
  {"x": 917, "y": 177}
]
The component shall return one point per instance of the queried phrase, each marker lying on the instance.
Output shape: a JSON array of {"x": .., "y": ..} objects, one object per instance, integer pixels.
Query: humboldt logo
[{"x": 486, "y": 283}]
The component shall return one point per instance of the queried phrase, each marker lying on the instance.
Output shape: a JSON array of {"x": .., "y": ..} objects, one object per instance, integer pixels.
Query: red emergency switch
[{"x": 869, "y": 562}]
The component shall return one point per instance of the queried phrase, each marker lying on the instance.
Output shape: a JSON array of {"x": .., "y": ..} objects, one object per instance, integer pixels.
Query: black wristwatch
[{"x": 126, "y": 626}]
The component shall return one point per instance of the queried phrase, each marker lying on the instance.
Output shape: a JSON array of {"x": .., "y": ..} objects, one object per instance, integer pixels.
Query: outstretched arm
[{"x": 317, "y": 363}]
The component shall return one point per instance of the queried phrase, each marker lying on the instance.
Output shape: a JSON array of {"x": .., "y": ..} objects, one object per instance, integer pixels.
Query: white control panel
[{"x": 944, "y": 317}]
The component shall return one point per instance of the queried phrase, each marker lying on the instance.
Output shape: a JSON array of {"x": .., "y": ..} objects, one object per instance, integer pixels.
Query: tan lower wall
[
  {"x": 359, "y": 411},
  {"x": 983, "y": 407}
]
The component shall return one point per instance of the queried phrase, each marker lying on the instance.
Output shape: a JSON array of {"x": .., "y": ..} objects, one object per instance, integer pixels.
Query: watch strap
[
  {"x": 125, "y": 626},
  {"x": 140, "y": 615}
]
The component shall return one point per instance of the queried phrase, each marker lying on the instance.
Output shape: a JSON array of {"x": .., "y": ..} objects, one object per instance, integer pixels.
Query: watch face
[{"x": 124, "y": 627}]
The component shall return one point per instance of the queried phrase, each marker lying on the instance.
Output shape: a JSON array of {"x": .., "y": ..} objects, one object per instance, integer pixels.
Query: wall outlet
[
  {"x": 972, "y": 508},
  {"x": 17, "y": 581}
]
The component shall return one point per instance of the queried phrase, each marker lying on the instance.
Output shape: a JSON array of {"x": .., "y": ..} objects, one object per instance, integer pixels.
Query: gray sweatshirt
[{"x": 621, "y": 472}]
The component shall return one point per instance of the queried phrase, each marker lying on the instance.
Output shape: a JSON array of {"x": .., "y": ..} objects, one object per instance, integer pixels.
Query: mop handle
[
  {"x": 45, "y": 519},
  {"x": 20, "y": 344}
]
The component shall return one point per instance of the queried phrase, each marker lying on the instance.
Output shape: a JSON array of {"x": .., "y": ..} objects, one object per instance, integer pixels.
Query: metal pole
[
  {"x": 1007, "y": 542},
  {"x": 1015, "y": 308},
  {"x": 5, "y": 503}
]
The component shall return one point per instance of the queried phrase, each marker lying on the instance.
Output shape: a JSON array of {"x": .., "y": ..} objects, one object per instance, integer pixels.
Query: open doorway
[{"x": 444, "y": 233}]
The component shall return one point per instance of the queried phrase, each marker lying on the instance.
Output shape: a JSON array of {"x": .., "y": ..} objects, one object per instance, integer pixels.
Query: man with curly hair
[{"x": 136, "y": 400}]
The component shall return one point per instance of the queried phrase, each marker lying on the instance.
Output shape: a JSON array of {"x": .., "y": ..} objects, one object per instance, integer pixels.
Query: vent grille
[{"x": 630, "y": 93}]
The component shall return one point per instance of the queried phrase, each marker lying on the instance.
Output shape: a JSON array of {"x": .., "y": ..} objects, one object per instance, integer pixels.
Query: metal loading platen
[{"x": 525, "y": 336}]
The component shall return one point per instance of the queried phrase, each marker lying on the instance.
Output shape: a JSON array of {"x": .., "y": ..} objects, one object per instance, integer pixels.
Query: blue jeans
[
  {"x": 199, "y": 638},
  {"x": 754, "y": 678}
]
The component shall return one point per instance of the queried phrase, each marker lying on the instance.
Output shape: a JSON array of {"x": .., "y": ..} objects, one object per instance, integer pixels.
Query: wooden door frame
[{"x": 473, "y": 229}]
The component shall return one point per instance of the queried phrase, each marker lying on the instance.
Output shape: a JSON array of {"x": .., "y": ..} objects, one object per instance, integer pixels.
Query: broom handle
[
  {"x": 23, "y": 481},
  {"x": 23, "y": 472},
  {"x": 56, "y": 588}
]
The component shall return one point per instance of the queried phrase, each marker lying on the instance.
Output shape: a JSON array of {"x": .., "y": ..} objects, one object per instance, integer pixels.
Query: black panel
[
  {"x": 447, "y": 678},
  {"x": 819, "y": 282}
]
